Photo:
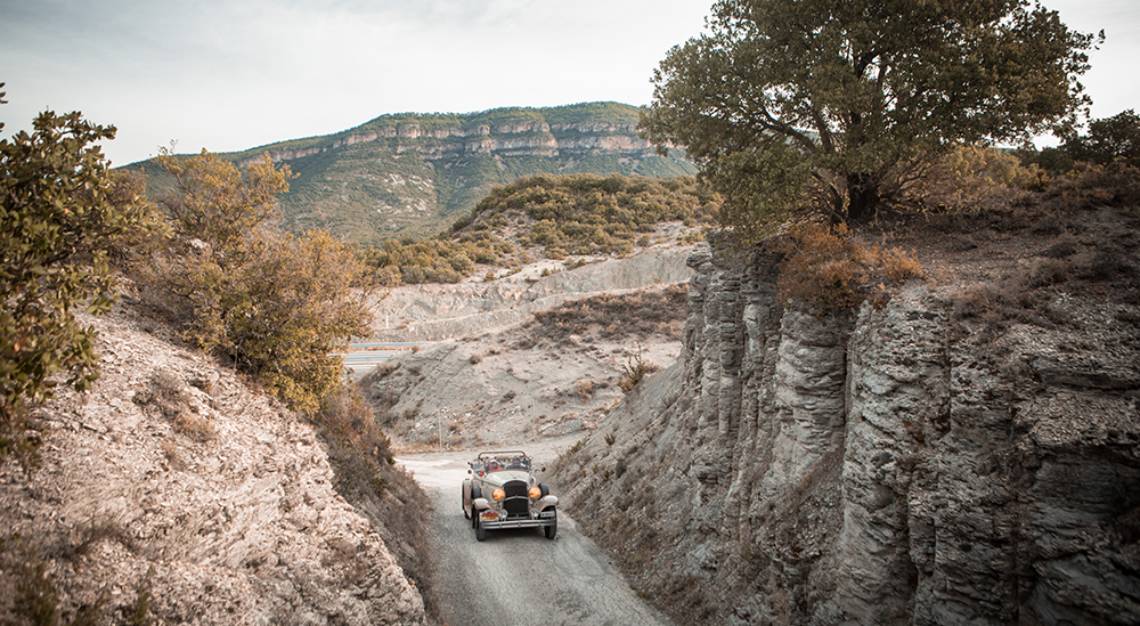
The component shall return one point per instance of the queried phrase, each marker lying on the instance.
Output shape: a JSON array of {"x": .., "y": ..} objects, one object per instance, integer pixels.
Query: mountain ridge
[{"x": 408, "y": 174}]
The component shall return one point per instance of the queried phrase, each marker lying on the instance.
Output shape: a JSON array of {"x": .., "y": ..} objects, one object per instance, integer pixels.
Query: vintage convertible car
[{"x": 501, "y": 492}]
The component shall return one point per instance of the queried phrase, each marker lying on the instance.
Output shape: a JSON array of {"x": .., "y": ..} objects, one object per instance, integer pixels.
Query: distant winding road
[{"x": 518, "y": 576}]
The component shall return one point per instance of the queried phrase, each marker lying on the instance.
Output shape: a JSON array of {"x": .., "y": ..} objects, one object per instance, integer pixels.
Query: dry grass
[
  {"x": 634, "y": 371},
  {"x": 365, "y": 475},
  {"x": 828, "y": 269},
  {"x": 197, "y": 428},
  {"x": 632, "y": 316},
  {"x": 169, "y": 396}
]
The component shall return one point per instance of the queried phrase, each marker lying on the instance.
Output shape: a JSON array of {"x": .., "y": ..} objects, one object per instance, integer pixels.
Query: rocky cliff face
[
  {"x": 462, "y": 137},
  {"x": 411, "y": 174},
  {"x": 902, "y": 465}
]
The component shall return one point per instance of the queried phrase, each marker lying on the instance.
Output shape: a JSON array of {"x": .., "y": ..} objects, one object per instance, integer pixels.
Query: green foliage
[
  {"x": 589, "y": 214},
  {"x": 219, "y": 204},
  {"x": 275, "y": 304},
  {"x": 973, "y": 179},
  {"x": 847, "y": 99},
  {"x": 432, "y": 260},
  {"x": 64, "y": 219},
  {"x": 1109, "y": 140}
]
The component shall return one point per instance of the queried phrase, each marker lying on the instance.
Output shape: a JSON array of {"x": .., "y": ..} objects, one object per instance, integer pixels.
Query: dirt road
[{"x": 518, "y": 576}]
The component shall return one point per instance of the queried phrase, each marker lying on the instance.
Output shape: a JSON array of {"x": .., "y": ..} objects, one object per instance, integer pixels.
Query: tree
[
  {"x": 1110, "y": 139},
  {"x": 840, "y": 104},
  {"x": 64, "y": 218},
  {"x": 277, "y": 306}
]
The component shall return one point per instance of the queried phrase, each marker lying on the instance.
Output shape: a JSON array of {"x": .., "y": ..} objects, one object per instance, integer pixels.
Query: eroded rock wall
[{"x": 897, "y": 465}]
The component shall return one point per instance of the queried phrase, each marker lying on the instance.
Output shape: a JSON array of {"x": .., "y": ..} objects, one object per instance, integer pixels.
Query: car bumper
[{"x": 543, "y": 519}]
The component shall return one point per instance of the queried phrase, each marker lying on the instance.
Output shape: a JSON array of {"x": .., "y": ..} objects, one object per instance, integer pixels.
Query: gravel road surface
[{"x": 518, "y": 576}]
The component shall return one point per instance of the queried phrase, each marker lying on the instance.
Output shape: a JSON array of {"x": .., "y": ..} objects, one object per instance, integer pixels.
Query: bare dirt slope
[
  {"x": 554, "y": 375},
  {"x": 518, "y": 576},
  {"x": 434, "y": 312},
  {"x": 175, "y": 491}
]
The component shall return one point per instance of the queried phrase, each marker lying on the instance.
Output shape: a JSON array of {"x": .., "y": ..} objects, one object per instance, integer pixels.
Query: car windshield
[{"x": 505, "y": 463}]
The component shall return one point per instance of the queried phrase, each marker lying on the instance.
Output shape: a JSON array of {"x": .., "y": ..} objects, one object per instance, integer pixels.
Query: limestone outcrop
[{"x": 893, "y": 465}]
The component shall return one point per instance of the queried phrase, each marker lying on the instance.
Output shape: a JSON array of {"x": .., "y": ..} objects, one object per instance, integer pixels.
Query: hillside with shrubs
[{"x": 576, "y": 217}]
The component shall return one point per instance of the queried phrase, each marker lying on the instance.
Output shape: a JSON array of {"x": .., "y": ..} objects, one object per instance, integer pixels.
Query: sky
[{"x": 233, "y": 75}]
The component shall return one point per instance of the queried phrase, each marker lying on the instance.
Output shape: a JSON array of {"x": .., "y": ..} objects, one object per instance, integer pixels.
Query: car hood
[{"x": 499, "y": 478}]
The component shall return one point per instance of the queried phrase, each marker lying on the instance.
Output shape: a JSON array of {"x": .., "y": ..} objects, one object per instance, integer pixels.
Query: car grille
[{"x": 516, "y": 504}]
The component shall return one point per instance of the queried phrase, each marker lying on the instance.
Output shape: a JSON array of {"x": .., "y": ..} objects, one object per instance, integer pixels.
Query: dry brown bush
[
  {"x": 585, "y": 389},
  {"x": 170, "y": 397},
  {"x": 1088, "y": 185},
  {"x": 636, "y": 315},
  {"x": 196, "y": 427},
  {"x": 634, "y": 371},
  {"x": 827, "y": 269}
]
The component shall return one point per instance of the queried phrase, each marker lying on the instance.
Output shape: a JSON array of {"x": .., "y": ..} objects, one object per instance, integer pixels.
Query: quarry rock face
[{"x": 893, "y": 465}]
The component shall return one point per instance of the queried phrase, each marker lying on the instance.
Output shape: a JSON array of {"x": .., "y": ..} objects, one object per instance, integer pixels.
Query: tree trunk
[{"x": 862, "y": 198}]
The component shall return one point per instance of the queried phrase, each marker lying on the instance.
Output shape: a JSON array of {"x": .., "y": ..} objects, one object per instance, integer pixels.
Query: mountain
[{"x": 412, "y": 174}]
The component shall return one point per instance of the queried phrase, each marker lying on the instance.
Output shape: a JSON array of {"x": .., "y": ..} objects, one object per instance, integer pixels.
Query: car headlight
[
  {"x": 498, "y": 494},
  {"x": 535, "y": 493}
]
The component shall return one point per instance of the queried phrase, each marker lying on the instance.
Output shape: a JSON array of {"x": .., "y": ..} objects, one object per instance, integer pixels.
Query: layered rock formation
[{"x": 902, "y": 465}]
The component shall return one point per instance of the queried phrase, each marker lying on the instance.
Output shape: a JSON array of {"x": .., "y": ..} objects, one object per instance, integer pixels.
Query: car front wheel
[
  {"x": 480, "y": 531},
  {"x": 551, "y": 531}
]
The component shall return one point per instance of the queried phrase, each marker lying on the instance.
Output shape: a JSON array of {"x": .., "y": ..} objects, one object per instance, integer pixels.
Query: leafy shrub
[
  {"x": 276, "y": 305},
  {"x": 589, "y": 214},
  {"x": 974, "y": 178},
  {"x": 1109, "y": 140},
  {"x": 1089, "y": 185},
  {"x": 432, "y": 260},
  {"x": 64, "y": 217},
  {"x": 827, "y": 269}
]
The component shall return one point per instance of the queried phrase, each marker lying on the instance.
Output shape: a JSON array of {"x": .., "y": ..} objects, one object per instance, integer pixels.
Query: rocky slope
[
  {"x": 410, "y": 174},
  {"x": 174, "y": 492},
  {"x": 555, "y": 375},
  {"x": 921, "y": 463},
  {"x": 434, "y": 312}
]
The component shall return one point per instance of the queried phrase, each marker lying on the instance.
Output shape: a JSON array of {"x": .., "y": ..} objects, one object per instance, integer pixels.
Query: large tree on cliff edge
[{"x": 838, "y": 104}]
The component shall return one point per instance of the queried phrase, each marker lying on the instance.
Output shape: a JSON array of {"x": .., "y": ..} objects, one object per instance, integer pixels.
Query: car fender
[
  {"x": 466, "y": 493},
  {"x": 546, "y": 502}
]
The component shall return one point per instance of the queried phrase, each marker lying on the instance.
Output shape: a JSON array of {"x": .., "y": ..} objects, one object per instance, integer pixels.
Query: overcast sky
[{"x": 231, "y": 75}]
